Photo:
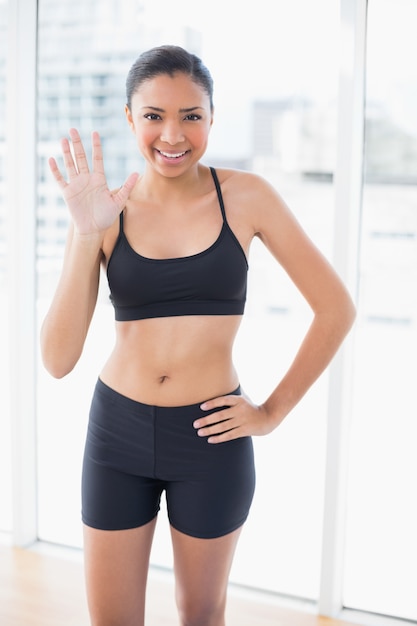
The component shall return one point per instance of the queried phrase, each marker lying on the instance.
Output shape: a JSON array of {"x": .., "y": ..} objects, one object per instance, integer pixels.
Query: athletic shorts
[{"x": 135, "y": 451}]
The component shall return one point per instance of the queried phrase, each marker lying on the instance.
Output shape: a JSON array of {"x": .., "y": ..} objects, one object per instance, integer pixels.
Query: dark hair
[{"x": 167, "y": 60}]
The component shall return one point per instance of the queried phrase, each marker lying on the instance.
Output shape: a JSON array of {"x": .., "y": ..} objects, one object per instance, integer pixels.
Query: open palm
[{"x": 92, "y": 205}]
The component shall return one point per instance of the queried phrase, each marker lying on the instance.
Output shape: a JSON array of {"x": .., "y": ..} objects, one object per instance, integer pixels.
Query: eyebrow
[{"x": 159, "y": 110}]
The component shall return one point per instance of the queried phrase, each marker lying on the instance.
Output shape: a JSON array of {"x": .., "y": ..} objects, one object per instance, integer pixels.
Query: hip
[{"x": 156, "y": 441}]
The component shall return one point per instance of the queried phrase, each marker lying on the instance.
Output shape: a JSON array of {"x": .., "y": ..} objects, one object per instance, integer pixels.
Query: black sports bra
[{"x": 212, "y": 282}]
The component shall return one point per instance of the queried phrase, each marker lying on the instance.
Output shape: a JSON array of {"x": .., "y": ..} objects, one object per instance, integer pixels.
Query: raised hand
[{"x": 92, "y": 205}]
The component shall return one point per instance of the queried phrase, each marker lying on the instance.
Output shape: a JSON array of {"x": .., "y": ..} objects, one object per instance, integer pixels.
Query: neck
[{"x": 161, "y": 188}]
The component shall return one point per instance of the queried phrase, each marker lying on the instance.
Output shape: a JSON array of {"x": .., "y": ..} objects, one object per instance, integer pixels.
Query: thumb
[{"x": 124, "y": 192}]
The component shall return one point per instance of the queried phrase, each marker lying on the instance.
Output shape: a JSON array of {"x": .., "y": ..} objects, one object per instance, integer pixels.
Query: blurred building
[
  {"x": 85, "y": 51},
  {"x": 296, "y": 136}
]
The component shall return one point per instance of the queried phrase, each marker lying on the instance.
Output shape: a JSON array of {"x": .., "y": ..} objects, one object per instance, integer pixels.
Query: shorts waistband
[{"x": 114, "y": 395}]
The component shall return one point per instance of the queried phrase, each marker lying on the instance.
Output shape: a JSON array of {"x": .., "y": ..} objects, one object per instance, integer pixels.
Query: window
[
  {"x": 5, "y": 422},
  {"x": 381, "y": 550},
  {"x": 276, "y": 114}
]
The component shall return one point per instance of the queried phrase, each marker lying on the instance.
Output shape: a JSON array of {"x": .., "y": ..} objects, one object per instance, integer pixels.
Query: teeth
[{"x": 172, "y": 156}]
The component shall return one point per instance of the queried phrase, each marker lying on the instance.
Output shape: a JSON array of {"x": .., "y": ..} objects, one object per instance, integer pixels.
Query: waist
[
  {"x": 122, "y": 400},
  {"x": 172, "y": 361},
  {"x": 171, "y": 390}
]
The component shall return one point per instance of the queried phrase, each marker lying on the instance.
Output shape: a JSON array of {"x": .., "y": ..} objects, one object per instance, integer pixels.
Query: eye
[
  {"x": 193, "y": 117},
  {"x": 152, "y": 116}
]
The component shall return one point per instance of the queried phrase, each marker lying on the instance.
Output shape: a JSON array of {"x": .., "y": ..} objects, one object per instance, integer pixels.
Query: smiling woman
[
  {"x": 175, "y": 133},
  {"x": 168, "y": 414},
  {"x": 273, "y": 309}
]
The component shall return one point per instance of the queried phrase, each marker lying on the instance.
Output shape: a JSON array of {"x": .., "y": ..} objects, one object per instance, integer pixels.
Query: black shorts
[{"x": 135, "y": 451}]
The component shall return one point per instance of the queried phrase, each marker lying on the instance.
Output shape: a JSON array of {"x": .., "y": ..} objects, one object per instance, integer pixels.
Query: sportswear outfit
[{"x": 135, "y": 451}]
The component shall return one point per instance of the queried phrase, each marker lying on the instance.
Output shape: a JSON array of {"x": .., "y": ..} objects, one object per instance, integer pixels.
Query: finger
[
  {"x": 79, "y": 152},
  {"x": 57, "y": 173},
  {"x": 125, "y": 190},
  {"x": 216, "y": 429},
  {"x": 224, "y": 434},
  {"x": 219, "y": 402},
  {"x": 233, "y": 433},
  {"x": 98, "y": 165},
  {"x": 211, "y": 423},
  {"x": 68, "y": 159}
]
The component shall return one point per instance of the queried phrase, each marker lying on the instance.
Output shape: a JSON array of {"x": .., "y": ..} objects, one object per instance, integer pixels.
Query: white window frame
[
  {"x": 21, "y": 211},
  {"x": 348, "y": 201}
]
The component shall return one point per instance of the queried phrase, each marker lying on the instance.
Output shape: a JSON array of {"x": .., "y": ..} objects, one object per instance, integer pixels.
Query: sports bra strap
[
  {"x": 121, "y": 222},
  {"x": 219, "y": 196},
  {"x": 219, "y": 192}
]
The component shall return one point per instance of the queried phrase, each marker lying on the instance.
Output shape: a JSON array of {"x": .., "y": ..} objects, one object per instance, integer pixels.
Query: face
[{"x": 171, "y": 119}]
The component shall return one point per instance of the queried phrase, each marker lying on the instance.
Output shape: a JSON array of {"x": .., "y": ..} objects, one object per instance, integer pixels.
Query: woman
[{"x": 167, "y": 413}]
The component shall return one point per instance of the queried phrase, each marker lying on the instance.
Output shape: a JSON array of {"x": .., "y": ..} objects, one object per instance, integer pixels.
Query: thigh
[
  {"x": 202, "y": 568},
  {"x": 116, "y": 569},
  {"x": 214, "y": 499},
  {"x": 115, "y": 500},
  {"x": 119, "y": 490},
  {"x": 209, "y": 488}
]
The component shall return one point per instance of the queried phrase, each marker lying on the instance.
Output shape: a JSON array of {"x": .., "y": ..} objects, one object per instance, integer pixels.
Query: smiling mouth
[{"x": 169, "y": 155}]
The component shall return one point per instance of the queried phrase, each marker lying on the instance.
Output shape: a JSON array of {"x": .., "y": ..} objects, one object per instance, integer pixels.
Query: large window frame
[
  {"x": 348, "y": 203},
  {"x": 21, "y": 137},
  {"x": 21, "y": 195}
]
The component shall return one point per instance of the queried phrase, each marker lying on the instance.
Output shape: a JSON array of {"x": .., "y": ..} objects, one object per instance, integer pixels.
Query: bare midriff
[{"x": 173, "y": 361}]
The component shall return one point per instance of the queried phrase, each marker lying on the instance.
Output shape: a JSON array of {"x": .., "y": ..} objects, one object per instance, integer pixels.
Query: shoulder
[
  {"x": 255, "y": 197},
  {"x": 255, "y": 201},
  {"x": 235, "y": 180}
]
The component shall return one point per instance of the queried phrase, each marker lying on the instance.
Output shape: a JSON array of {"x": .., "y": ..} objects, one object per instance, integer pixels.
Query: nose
[{"x": 171, "y": 133}]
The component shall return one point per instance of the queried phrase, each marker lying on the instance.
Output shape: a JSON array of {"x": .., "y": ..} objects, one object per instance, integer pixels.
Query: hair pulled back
[{"x": 167, "y": 60}]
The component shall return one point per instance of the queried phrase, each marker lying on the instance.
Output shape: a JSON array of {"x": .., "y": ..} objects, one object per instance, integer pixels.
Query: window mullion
[
  {"x": 21, "y": 201},
  {"x": 348, "y": 199}
]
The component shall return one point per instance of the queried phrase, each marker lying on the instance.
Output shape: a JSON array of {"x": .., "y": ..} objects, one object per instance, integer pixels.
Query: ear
[
  {"x": 212, "y": 118},
  {"x": 129, "y": 117}
]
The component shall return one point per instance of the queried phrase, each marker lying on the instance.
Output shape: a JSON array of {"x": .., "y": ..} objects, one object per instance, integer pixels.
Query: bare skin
[
  {"x": 116, "y": 569},
  {"x": 172, "y": 211}
]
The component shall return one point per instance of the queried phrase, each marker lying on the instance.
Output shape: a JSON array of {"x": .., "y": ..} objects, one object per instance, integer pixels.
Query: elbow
[
  {"x": 339, "y": 316},
  {"x": 56, "y": 366},
  {"x": 57, "y": 371},
  {"x": 59, "y": 352},
  {"x": 344, "y": 316},
  {"x": 350, "y": 312},
  {"x": 56, "y": 360}
]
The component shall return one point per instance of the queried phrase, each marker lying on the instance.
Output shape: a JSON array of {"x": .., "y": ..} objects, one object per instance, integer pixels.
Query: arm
[
  {"x": 66, "y": 324},
  {"x": 333, "y": 316},
  {"x": 332, "y": 306},
  {"x": 93, "y": 209}
]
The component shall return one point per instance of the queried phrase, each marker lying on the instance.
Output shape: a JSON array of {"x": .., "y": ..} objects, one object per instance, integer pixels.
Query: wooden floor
[{"x": 38, "y": 589}]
